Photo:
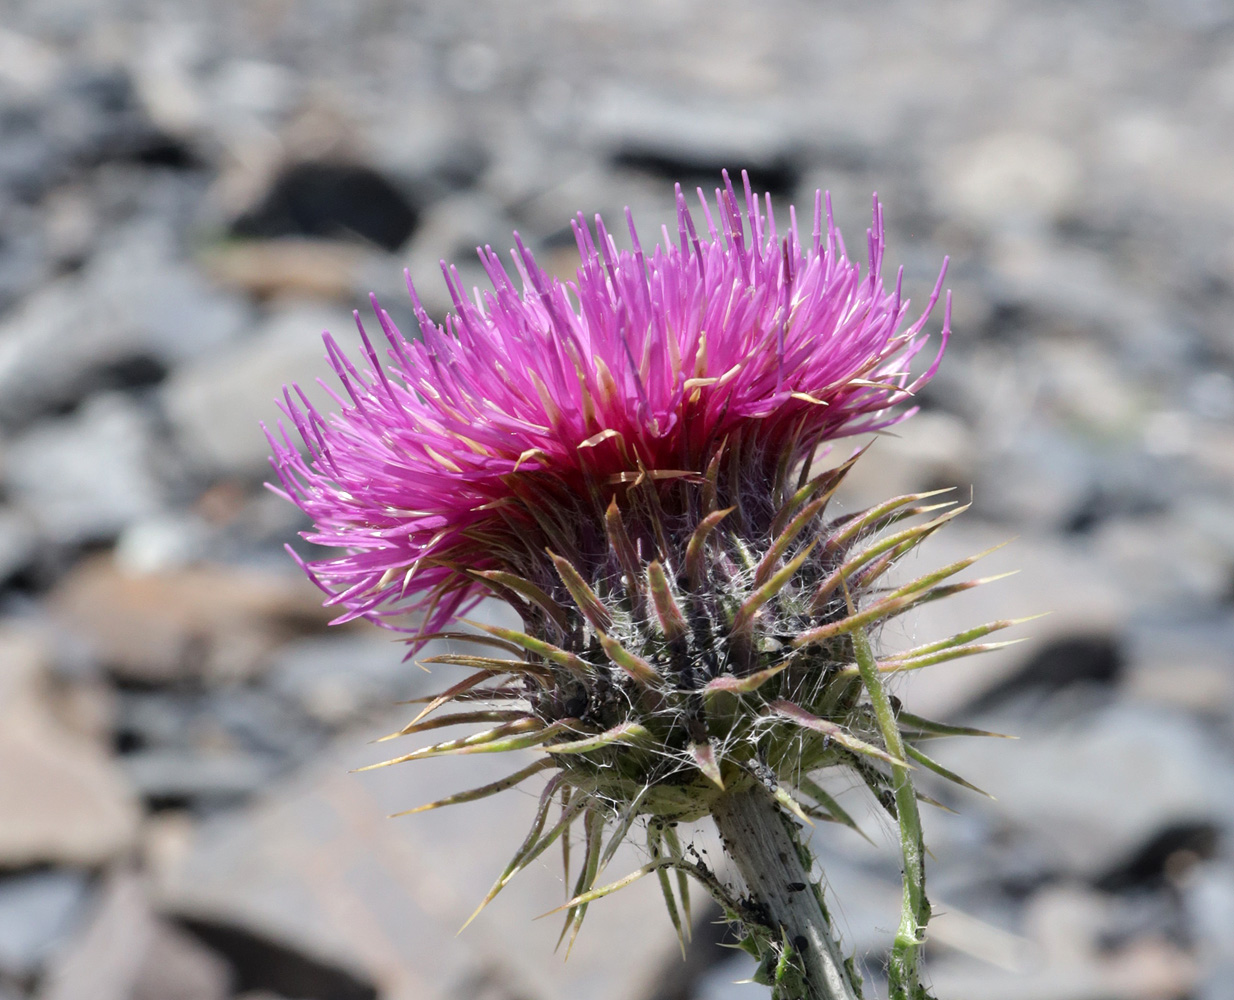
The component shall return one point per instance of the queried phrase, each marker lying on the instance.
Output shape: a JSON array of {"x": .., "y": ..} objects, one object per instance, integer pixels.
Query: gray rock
[
  {"x": 337, "y": 679},
  {"x": 199, "y": 777},
  {"x": 216, "y": 406},
  {"x": 127, "y": 953},
  {"x": 18, "y": 539},
  {"x": 317, "y": 864},
  {"x": 88, "y": 476},
  {"x": 1090, "y": 785},
  {"x": 38, "y": 911},
  {"x": 139, "y": 300}
]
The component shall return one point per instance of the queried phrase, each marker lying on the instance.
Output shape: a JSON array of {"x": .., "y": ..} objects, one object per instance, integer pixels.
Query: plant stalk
[
  {"x": 763, "y": 844},
  {"x": 904, "y": 980}
]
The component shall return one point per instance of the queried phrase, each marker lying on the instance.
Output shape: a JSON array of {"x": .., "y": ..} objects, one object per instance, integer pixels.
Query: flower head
[
  {"x": 627, "y": 459},
  {"x": 473, "y": 446}
]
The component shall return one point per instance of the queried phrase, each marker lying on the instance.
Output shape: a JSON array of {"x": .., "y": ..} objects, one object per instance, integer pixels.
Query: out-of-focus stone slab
[
  {"x": 212, "y": 621},
  {"x": 319, "y": 865},
  {"x": 127, "y": 953},
  {"x": 217, "y": 404},
  {"x": 1087, "y": 787},
  {"x": 1080, "y": 597},
  {"x": 62, "y": 798}
]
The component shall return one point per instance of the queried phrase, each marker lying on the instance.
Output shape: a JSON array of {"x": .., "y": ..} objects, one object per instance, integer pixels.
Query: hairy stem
[
  {"x": 903, "y": 974},
  {"x": 763, "y": 844}
]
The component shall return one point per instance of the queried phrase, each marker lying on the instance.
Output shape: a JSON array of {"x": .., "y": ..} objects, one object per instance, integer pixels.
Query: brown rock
[
  {"x": 320, "y": 268},
  {"x": 61, "y": 797},
  {"x": 211, "y": 621}
]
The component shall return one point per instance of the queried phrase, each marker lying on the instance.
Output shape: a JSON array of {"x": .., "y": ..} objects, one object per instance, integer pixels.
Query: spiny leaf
[
  {"x": 901, "y": 541},
  {"x": 834, "y": 810},
  {"x": 782, "y": 795},
  {"x": 951, "y": 569},
  {"x": 489, "y": 664},
  {"x": 908, "y": 720},
  {"x": 918, "y": 596},
  {"x": 711, "y": 478},
  {"x": 449, "y": 694},
  {"x": 625, "y": 732},
  {"x": 960, "y": 638},
  {"x": 512, "y": 736},
  {"x": 458, "y": 719},
  {"x": 666, "y": 887},
  {"x": 903, "y": 666},
  {"x": 696, "y": 548},
  {"x": 548, "y": 651},
  {"x": 484, "y": 790},
  {"x": 527, "y": 589},
  {"x": 751, "y": 605},
  {"x": 938, "y": 768},
  {"x": 828, "y": 481},
  {"x": 632, "y": 664},
  {"x": 798, "y": 715},
  {"x": 626, "y": 820},
  {"x": 533, "y": 846},
  {"x": 880, "y": 609},
  {"x": 784, "y": 539},
  {"x": 589, "y": 604},
  {"x": 672, "y": 621},
  {"x": 479, "y": 640},
  {"x": 704, "y": 755},
  {"x": 607, "y": 890},
  {"x": 683, "y": 880},
  {"x": 594, "y": 824},
  {"x": 863, "y": 520}
]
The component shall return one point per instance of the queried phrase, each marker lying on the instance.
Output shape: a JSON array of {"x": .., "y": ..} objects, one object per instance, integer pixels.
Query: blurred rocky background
[{"x": 191, "y": 192}]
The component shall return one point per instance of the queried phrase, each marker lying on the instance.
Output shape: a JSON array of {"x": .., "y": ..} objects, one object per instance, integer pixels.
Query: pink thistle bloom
[{"x": 455, "y": 451}]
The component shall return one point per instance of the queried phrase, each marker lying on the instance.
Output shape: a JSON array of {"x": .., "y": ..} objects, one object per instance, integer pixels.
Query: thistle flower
[
  {"x": 628, "y": 460},
  {"x": 448, "y": 456}
]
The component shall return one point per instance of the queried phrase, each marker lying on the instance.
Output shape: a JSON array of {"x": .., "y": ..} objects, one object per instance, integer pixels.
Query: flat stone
[
  {"x": 1086, "y": 786},
  {"x": 217, "y": 405},
  {"x": 127, "y": 953},
  {"x": 62, "y": 798},
  {"x": 317, "y": 864},
  {"x": 38, "y": 910},
  {"x": 210, "y": 620},
  {"x": 324, "y": 269},
  {"x": 88, "y": 476},
  {"x": 139, "y": 300}
]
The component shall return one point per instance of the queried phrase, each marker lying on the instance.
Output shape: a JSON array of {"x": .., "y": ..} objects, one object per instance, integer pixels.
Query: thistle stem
[
  {"x": 763, "y": 844},
  {"x": 903, "y": 974}
]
